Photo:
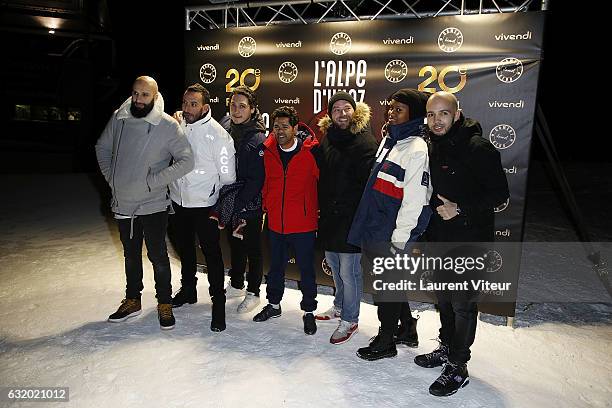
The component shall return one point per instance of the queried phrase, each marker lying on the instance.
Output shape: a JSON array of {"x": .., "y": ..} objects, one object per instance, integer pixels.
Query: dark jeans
[
  {"x": 249, "y": 247},
  {"x": 390, "y": 312},
  {"x": 152, "y": 228},
  {"x": 458, "y": 328},
  {"x": 303, "y": 246},
  {"x": 187, "y": 223}
]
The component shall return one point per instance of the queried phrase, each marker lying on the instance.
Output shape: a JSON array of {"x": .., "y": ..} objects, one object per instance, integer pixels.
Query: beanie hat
[
  {"x": 340, "y": 96},
  {"x": 416, "y": 101}
]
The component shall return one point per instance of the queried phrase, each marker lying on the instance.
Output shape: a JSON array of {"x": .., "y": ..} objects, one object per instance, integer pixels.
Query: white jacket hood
[{"x": 154, "y": 117}]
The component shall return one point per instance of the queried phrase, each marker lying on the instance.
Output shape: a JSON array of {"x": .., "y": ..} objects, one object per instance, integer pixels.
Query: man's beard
[{"x": 141, "y": 112}]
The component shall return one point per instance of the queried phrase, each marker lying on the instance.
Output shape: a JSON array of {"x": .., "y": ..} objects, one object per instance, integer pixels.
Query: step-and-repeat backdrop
[{"x": 490, "y": 62}]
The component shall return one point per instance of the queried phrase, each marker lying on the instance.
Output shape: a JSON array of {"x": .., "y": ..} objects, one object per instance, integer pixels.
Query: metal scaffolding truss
[{"x": 224, "y": 14}]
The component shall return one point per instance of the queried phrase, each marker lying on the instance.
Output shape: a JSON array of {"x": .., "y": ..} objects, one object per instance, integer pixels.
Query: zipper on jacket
[
  {"x": 283, "y": 200},
  {"x": 116, "y": 155}
]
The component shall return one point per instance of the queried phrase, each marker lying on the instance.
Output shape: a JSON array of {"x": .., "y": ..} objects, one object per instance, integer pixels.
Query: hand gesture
[{"x": 448, "y": 209}]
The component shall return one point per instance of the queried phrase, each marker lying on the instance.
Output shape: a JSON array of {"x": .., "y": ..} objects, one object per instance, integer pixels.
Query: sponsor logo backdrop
[{"x": 490, "y": 62}]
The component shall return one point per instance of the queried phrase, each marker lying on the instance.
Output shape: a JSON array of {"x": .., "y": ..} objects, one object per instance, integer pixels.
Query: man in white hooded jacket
[
  {"x": 140, "y": 152},
  {"x": 193, "y": 197}
]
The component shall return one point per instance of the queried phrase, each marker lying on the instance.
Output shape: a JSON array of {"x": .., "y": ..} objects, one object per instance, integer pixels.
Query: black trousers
[
  {"x": 186, "y": 224},
  {"x": 247, "y": 248},
  {"x": 458, "y": 328},
  {"x": 153, "y": 229},
  {"x": 390, "y": 312}
]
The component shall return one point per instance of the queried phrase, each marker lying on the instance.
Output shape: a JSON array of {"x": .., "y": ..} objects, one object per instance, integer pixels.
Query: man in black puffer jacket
[
  {"x": 469, "y": 182},
  {"x": 348, "y": 149}
]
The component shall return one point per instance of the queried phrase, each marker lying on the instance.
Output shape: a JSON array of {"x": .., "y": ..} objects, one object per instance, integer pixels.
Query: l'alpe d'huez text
[{"x": 333, "y": 76}]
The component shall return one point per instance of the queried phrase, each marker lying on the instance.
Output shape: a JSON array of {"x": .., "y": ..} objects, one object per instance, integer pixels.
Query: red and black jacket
[{"x": 290, "y": 195}]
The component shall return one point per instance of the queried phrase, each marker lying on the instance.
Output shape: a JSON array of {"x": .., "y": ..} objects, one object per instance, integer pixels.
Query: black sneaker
[
  {"x": 166, "y": 318},
  {"x": 310, "y": 324},
  {"x": 453, "y": 377},
  {"x": 407, "y": 334},
  {"x": 434, "y": 359},
  {"x": 381, "y": 346},
  {"x": 266, "y": 313},
  {"x": 128, "y": 308},
  {"x": 187, "y": 294}
]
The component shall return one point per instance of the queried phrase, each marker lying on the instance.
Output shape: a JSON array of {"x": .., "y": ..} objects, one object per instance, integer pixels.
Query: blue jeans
[
  {"x": 303, "y": 246},
  {"x": 346, "y": 271}
]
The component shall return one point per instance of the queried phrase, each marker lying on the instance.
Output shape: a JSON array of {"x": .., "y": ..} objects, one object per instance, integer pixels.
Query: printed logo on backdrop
[
  {"x": 506, "y": 233},
  {"x": 509, "y": 70},
  {"x": 208, "y": 73},
  {"x": 203, "y": 47},
  {"x": 395, "y": 71},
  {"x": 494, "y": 261},
  {"x": 340, "y": 43},
  {"x": 287, "y": 101},
  {"x": 450, "y": 39},
  {"x": 287, "y": 72},
  {"x": 510, "y": 170},
  {"x": 502, "y": 136},
  {"x": 513, "y": 37},
  {"x": 502, "y": 206},
  {"x": 520, "y": 104},
  {"x": 246, "y": 47},
  {"x": 398, "y": 41},
  {"x": 289, "y": 44}
]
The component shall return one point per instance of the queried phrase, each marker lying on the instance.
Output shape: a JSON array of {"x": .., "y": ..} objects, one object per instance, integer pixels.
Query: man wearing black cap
[
  {"x": 393, "y": 212},
  {"x": 469, "y": 182},
  {"x": 347, "y": 150}
]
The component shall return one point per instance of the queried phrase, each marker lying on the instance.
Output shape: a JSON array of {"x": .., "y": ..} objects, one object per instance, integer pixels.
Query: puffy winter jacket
[
  {"x": 135, "y": 156},
  {"x": 290, "y": 195},
  {"x": 347, "y": 159},
  {"x": 466, "y": 169},
  {"x": 215, "y": 164},
  {"x": 394, "y": 206}
]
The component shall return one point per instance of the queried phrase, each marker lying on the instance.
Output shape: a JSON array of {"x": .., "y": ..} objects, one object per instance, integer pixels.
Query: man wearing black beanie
[{"x": 347, "y": 149}]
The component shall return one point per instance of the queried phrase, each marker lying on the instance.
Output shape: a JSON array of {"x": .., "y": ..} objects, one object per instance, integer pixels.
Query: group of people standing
[{"x": 441, "y": 180}]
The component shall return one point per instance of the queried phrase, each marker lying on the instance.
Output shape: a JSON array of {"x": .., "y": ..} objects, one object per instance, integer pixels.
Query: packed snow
[{"x": 62, "y": 275}]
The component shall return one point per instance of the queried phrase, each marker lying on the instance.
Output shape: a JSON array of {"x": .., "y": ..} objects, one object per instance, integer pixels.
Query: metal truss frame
[{"x": 229, "y": 13}]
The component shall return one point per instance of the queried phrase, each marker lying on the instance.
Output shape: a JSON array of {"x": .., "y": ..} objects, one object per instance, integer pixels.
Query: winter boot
[
  {"x": 434, "y": 359},
  {"x": 453, "y": 377},
  {"x": 166, "y": 318},
  {"x": 187, "y": 294},
  {"x": 128, "y": 308},
  {"x": 407, "y": 333},
  {"x": 381, "y": 346}
]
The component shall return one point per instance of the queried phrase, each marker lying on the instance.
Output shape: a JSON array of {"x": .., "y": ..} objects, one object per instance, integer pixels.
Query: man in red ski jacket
[{"x": 290, "y": 202}]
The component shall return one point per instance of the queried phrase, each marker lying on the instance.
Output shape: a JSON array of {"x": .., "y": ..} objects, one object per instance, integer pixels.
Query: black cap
[
  {"x": 416, "y": 101},
  {"x": 340, "y": 96}
]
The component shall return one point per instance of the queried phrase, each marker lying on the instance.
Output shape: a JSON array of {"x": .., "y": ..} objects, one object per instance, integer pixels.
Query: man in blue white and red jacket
[
  {"x": 394, "y": 212},
  {"x": 290, "y": 202}
]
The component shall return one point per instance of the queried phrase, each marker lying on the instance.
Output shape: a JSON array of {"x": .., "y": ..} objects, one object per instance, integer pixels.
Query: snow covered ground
[{"x": 62, "y": 275}]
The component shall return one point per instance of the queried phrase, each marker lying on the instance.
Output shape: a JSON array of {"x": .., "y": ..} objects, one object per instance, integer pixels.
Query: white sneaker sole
[
  {"x": 123, "y": 319},
  {"x": 166, "y": 327},
  {"x": 345, "y": 340}
]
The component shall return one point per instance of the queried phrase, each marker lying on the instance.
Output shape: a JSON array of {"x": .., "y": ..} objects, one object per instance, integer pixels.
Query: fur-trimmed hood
[{"x": 360, "y": 121}]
